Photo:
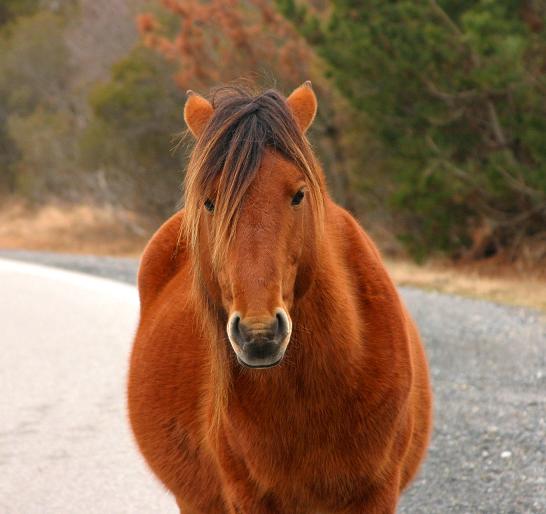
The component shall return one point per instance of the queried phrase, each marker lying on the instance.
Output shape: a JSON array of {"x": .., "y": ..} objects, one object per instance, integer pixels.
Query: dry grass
[
  {"x": 73, "y": 229},
  {"x": 106, "y": 231},
  {"x": 502, "y": 284}
]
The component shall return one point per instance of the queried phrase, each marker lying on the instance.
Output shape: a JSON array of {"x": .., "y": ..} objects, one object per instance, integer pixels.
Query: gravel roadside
[{"x": 488, "y": 365}]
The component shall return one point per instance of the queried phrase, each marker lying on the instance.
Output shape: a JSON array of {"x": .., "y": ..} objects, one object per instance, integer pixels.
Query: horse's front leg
[
  {"x": 242, "y": 499},
  {"x": 213, "y": 507},
  {"x": 380, "y": 499},
  {"x": 384, "y": 505},
  {"x": 241, "y": 493}
]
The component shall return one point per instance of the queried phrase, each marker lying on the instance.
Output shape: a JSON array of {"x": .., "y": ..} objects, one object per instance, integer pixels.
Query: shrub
[
  {"x": 136, "y": 116},
  {"x": 48, "y": 152},
  {"x": 34, "y": 77}
]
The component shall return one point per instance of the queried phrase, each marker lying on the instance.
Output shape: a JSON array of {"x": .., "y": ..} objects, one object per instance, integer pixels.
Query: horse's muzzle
[{"x": 259, "y": 341}]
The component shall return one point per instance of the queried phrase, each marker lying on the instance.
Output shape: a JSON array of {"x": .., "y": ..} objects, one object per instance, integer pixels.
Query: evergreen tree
[{"x": 456, "y": 93}]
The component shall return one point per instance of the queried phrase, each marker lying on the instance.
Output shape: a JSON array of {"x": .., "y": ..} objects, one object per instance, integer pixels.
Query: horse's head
[{"x": 253, "y": 204}]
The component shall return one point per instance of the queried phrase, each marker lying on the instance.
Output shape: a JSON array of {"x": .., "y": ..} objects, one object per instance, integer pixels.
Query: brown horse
[{"x": 275, "y": 369}]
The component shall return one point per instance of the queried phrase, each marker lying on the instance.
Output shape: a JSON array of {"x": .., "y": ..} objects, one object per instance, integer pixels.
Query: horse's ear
[
  {"x": 197, "y": 113},
  {"x": 303, "y": 104}
]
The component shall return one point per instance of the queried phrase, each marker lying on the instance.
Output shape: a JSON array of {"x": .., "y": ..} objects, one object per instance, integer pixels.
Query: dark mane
[{"x": 228, "y": 154}]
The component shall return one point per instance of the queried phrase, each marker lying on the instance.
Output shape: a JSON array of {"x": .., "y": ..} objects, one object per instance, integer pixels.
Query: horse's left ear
[
  {"x": 197, "y": 113},
  {"x": 303, "y": 104}
]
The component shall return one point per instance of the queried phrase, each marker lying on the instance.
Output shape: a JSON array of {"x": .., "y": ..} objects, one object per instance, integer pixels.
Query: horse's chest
[
  {"x": 314, "y": 450},
  {"x": 302, "y": 466}
]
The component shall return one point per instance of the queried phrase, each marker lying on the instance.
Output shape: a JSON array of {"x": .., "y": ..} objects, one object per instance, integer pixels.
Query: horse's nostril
[
  {"x": 282, "y": 323},
  {"x": 235, "y": 323},
  {"x": 234, "y": 328},
  {"x": 275, "y": 324},
  {"x": 279, "y": 325}
]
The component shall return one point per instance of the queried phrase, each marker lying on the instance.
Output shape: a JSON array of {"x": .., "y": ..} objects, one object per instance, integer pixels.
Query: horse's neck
[{"x": 327, "y": 327}]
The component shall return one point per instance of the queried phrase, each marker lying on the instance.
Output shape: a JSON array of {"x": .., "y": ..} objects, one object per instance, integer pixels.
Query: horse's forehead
[
  {"x": 271, "y": 156},
  {"x": 276, "y": 169}
]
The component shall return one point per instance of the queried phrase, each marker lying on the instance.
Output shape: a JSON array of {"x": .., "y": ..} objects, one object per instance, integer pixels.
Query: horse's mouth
[{"x": 259, "y": 366}]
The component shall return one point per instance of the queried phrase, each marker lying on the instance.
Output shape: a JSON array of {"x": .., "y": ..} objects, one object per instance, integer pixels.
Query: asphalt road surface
[{"x": 65, "y": 446}]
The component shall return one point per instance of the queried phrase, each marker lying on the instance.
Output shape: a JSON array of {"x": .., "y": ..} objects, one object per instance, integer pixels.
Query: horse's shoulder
[
  {"x": 353, "y": 235},
  {"x": 362, "y": 258},
  {"x": 163, "y": 256},
  {"x": 386, "y": 318}
]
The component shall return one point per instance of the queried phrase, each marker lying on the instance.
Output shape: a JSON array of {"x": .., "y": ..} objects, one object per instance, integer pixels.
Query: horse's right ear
[
  {"x": 303, "y": 104},
  {"x": 197, "y": 113}
]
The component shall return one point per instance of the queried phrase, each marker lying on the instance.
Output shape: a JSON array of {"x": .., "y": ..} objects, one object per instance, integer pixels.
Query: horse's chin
[{"x": 259, "y": 365}]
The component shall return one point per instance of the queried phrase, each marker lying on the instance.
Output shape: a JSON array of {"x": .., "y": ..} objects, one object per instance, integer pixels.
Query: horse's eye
[
  {"x": 209, "y": 205},
  {"x": 298, "y": 197}
]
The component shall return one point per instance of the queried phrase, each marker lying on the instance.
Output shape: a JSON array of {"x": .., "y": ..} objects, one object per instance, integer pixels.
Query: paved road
[{"x": 66, "y": 448}]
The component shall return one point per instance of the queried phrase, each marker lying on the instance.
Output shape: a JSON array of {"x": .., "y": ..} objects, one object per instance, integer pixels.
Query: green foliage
[
  {"x": 456, "y": 93},
  {"x": 34, "y": 64},
  {"x": 34, "y": 76},
  {"x": 135, "y": 118},
  {"x": 48, "y": 151},
  {"x": 11, "y": 9},
  {"x": 9, "y": 155},
  {"x": 114, "y": 146}
]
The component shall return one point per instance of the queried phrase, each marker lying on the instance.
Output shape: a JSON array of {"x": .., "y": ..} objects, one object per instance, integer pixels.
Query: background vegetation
[{"x": 431, "y": 125}]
